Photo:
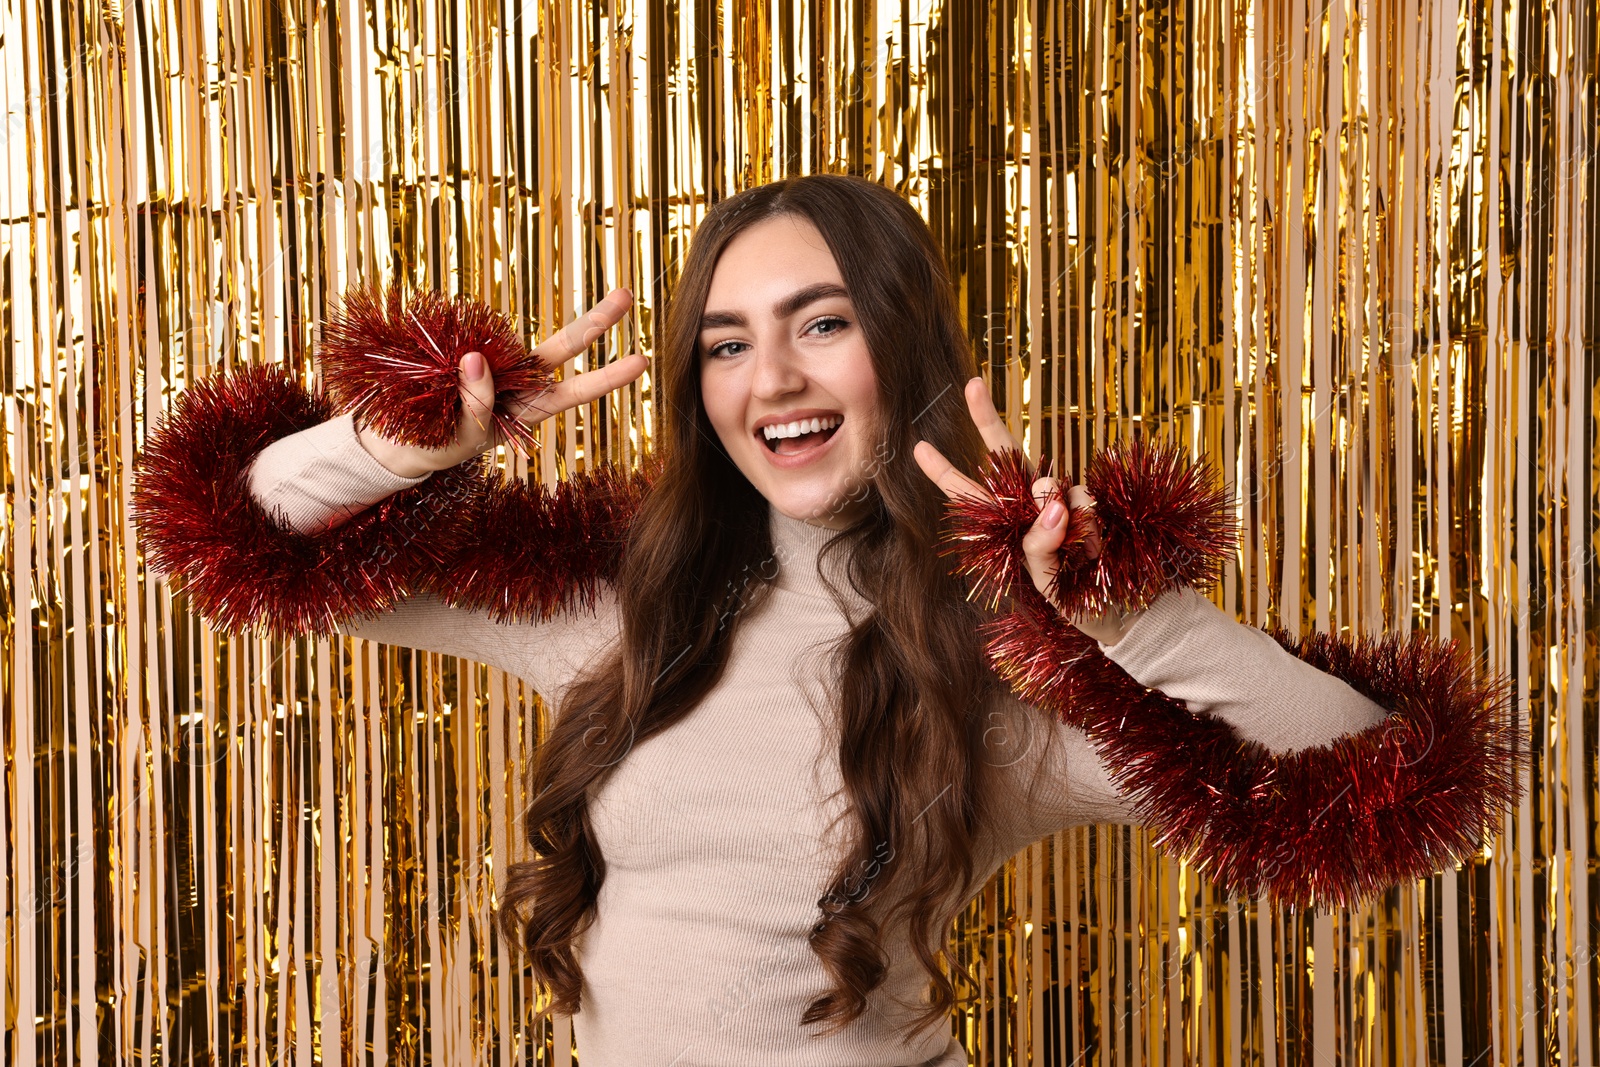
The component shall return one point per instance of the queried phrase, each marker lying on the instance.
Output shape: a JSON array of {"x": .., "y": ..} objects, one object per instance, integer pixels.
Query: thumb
[
  {"x": 477, "y": 401},
  {"x": 1041, "y": 545}
]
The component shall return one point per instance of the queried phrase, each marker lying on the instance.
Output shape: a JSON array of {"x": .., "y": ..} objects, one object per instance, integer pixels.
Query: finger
[
  {"x": 477, "y": 396},
  {"x": 1041, "y": 545},
  {"x": 990, "y": 426},
  {"x": 584, "y": 330},
  {"x": 1044, "y": 490},
  {"x": 580, "y": 389},
  {"x": 1082, "y": 505},
  {"x": 943, "y": 473}
]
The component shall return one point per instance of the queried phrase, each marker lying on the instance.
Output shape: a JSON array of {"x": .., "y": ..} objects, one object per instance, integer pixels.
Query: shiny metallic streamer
[{"x": 1345, "y": 250}]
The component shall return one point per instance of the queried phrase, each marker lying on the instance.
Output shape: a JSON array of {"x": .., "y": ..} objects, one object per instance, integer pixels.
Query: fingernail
[
  {"x": 472, "y": 366},
  {"x": 1052, "y": 515}
]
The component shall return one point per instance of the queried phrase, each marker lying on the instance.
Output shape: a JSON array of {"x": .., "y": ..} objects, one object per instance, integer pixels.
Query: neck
[{"x": 796, "y": 545}]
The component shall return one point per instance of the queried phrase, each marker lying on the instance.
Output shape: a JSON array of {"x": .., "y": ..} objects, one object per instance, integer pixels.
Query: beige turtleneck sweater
[{"x": 715, "y": 831}]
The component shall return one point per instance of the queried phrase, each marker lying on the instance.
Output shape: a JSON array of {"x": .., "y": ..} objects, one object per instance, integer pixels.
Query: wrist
[
  {"x": 1107, "y": 628},
  {"x": 397, "y": 459}
]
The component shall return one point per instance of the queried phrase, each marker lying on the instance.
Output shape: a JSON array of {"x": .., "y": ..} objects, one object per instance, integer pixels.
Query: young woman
[{"x": 780, "y": 763}]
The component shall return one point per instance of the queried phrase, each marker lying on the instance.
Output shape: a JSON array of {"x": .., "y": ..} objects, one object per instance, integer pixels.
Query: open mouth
[{"x": 784, "y": 446}]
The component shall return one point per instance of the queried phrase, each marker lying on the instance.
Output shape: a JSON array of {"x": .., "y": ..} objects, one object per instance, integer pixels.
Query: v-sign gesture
[
  {"x": 1042, "y": 544},
  {"x": 476, "y": 432}
]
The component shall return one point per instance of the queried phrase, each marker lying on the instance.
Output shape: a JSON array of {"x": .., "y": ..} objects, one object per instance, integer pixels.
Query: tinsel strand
[
  {"x": 392, "y": 359},
  {"x": 1162, "y": 523},
  {"x": 532, "y": 551},
  {"x": 244, "y": 569}
]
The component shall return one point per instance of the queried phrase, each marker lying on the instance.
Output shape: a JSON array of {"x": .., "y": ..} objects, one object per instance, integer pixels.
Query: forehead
[{"x": 768, "y": 261}]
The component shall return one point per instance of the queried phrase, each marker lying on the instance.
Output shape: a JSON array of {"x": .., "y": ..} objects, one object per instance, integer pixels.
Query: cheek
[
  {"x": 861, "y": 380},
  {"x": 722, "y": 411},
  {"x": 864, "y": 394},
  {"x": 712, "y": 401}
]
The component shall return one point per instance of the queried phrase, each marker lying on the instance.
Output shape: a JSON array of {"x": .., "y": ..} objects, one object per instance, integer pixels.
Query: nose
[{"x": 777, "y": 371}]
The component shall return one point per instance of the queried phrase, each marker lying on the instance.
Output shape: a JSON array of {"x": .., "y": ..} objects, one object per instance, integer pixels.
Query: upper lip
[{"x": 792, "y": 416}]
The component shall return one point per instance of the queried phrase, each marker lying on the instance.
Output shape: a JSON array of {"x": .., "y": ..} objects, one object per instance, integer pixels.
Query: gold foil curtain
[{"x": 1345, "y": 251}]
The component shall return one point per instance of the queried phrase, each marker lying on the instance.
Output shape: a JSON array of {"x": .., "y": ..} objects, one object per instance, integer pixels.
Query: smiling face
[{"x": 782, "y": 352}]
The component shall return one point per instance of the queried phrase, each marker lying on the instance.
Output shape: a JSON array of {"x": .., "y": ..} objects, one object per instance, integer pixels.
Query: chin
[
  {"x": 837, "y": 504},
  {"x": 835, "y": 508}
]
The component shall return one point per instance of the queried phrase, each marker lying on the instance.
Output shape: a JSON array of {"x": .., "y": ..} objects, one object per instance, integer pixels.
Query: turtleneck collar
[{"x": 796, "y": 545}]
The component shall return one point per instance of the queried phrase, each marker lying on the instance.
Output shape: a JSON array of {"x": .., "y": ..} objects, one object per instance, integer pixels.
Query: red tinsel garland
[
  {"x": 1328, "y": 825},
  {"x": 1162, "y": 523},
  {"x": 393, "y": 358},
  {"x": 535, "y": 551},
  {"x": 517, "y": 551},
  {"x": 241, "y": 567}
]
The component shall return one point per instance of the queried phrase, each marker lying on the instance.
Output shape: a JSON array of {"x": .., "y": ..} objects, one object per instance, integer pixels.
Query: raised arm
[
  {"x": 241, "y": 561},
  {"x": 1196, "y": 654},
  {"x": 273, "y": 514},
  {"x": 1272, "y": 770}
]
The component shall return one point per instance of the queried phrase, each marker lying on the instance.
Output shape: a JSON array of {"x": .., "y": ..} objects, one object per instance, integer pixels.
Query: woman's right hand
[{"x": 475, "y": 433}]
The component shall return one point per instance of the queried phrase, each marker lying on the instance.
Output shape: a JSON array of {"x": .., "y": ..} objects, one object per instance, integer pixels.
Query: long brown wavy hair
[{"x": 912, "y": 681}]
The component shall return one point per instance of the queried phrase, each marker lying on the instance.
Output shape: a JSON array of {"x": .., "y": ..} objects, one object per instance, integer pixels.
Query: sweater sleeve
[
  {"x": 239, "y": 564},
  {"x": 1335, "y": 821},
  {"x": 1194, "y": 652},
  {"x": 321, "y": 477},
  {"x": 549, "y": 655}
]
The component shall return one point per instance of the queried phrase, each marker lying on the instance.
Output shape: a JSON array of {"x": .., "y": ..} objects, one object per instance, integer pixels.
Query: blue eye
[
  {"x": 717, "y": 351},
  {"x": 833, "y": 321}
]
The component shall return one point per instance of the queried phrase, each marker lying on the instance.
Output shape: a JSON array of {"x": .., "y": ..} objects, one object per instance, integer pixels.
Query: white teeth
[{"x": 795, "y": 429}]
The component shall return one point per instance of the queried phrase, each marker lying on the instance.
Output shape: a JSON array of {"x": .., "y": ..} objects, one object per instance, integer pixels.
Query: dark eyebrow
[
  {"x": 809, "y": 295},
  {"x": 790, "y": 304},
  {"x": 712, "y": 320}
]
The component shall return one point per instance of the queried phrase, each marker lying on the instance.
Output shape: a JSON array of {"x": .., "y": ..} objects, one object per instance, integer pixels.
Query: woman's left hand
[{"x": 1042, "y": 544}]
